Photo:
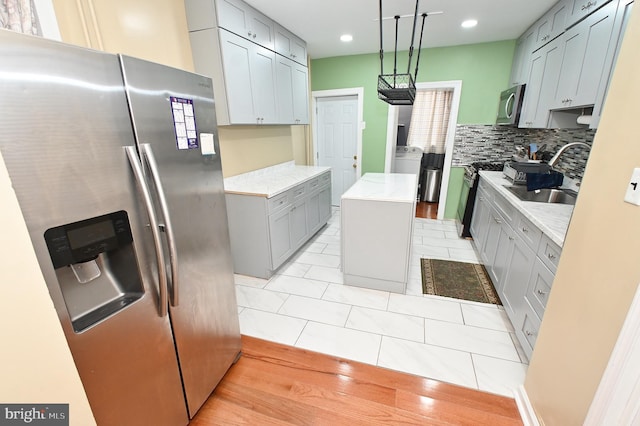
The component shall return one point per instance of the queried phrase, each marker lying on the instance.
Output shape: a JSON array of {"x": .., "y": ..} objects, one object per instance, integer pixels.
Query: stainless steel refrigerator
[{"x": 115, "y": 162}]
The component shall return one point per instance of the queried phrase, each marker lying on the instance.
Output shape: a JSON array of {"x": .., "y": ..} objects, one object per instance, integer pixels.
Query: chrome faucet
[{"x": 555, "y": 158}]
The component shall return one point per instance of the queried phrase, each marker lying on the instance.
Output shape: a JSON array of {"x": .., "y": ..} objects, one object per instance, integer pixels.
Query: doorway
[
  {"x": 392, "y": 135},
  {"x": 337, "y": 136}
]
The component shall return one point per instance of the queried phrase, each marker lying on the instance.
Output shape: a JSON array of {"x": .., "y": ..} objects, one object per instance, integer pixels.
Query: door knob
[
  {"x": 354, "y": 166},
  {"x": 355, "y": 157}
]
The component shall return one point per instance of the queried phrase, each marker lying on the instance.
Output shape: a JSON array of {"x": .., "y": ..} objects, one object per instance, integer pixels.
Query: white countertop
[
  {"x": 271, "y": 181},
  {"x": 552, "y": 219},
  {"x": 398, "y": 187}
]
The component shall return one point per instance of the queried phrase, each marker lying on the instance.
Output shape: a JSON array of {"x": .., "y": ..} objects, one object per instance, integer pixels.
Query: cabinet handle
[
  {"x": 524, "y": 229},
  {"x": 511, "y": 238},
  {"x": 551, "y": 256},
  {"x": 249, "y": 33},
  {"x": 529, "y": 333},
  {"x": 541, "y": 293},
  {"x": 497, "y": 220},
  {"x": 254, "y": 35}
]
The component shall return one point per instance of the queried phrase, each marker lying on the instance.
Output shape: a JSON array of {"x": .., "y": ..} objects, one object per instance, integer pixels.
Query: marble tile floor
[{"x": 307, "y": 305}]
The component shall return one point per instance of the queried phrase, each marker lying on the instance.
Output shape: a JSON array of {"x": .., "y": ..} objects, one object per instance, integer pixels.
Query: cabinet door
[
  {"x": 585, "y": 52},
  {"x": 543, "y": 82},
  {"x": 284, "y": 78},
  {"x": 300, "y": 94},
  {"x": 496, "y": 222},
  {"x": 506, "y": 240},
  {"x": 290, "y": 46},
  {"x": 299, "y": 228},
  {"x": 521, "y": 58},
  {"x": 325, "y": 204},
  {"x": 280, "y": 237},
  {"x": 578, "y": 9},
  {"x": 313, "y": 212},
  {"x": 250, "y": 72},
  {"x": 516, "y": 279},
  {"x": 236, "y": 62},
  {"x": 262, "y": 30},
  {"x": 620, "y": 25},
  {"x": 240, "y": 18},
  {"x": 551, "y": 25},
  {"x": 234, "y": 16},
  {"x": 480, "y": 221},
  {"x": 263, "y": 85},
  {"x": 293, "y": 95}
]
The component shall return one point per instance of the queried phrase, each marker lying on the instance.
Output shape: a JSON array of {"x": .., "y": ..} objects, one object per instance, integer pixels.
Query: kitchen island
[{"x": 377, "y": 215}]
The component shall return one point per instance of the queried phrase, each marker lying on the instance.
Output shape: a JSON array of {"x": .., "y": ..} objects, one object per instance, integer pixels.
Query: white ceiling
[{"x": 321, "y": 22}]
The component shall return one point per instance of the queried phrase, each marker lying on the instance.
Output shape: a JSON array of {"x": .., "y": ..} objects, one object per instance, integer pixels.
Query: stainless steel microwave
[{"x": 510, "y": 106}]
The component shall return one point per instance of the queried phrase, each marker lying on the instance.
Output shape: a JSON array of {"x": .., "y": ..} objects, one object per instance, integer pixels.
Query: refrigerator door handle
[
  {"x": 149, "y": 158},
  {"x": 155, "y": 230}
]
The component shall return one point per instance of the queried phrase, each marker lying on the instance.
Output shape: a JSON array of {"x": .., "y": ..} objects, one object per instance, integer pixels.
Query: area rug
[{"x": 459, "y": 280}]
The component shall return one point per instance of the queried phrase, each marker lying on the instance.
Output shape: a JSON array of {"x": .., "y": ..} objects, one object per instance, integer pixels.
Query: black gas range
[{"x": 468, "y": 193}]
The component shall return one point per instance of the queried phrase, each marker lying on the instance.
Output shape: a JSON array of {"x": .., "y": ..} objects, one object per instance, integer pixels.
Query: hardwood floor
[
  {"x": 273, "y": 384},
  {"x": 427, "y": 210}
]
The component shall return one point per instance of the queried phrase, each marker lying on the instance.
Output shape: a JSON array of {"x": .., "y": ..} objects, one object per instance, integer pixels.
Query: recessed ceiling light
[
  {"x": 346, "y": 38},
  {"x": 469, "y": 23}
]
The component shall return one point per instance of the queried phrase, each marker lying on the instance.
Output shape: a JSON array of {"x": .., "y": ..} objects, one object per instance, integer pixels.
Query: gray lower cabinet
[
  {"x": 265, "y": 232},
  {"x": 520, "y": 259}
]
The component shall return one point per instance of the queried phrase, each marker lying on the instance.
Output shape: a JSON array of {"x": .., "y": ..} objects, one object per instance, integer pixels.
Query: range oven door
[{"x": 467, "y": 184}]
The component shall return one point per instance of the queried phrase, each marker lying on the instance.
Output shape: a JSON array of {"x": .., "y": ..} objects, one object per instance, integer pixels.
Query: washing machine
[{"x": 408, "y": 159}]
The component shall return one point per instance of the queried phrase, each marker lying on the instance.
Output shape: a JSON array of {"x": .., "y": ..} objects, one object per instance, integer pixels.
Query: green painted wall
[
  {"x": 453, "y": 194},
  {"x": 483, "y": 69}
]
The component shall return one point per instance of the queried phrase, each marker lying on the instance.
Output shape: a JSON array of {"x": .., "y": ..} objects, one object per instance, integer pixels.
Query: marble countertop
[
  {"x": 398, "y": 187},
  {"x": 552, "y": 219},
  {"x": 271, "y": 181}
]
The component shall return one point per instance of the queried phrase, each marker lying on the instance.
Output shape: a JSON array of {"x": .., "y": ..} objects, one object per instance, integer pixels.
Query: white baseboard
[{"x": 525, "y": 408}]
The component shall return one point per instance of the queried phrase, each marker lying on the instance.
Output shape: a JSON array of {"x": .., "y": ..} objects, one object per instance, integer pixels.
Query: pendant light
[{"x": 399, "y": 89}]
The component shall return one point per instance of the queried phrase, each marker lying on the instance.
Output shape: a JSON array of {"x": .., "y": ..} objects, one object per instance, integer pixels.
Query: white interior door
[{"x": 337, "y": 141}]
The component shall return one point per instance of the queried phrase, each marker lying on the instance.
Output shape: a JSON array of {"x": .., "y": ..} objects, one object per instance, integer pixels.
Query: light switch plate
[{"x": 633, "y": 190}]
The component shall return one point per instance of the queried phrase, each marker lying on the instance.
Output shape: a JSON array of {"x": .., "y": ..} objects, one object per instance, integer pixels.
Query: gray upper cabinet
[
  {"x": 521, "y": 58},
  {"x": 290, "y": 46},
  {"x": 585, "y": 52},
  {"x": 551, "y": 25},
  {"x": 293, "y": 91},
  {"x": 258, "y": 68},
  {"x": 543, "y": 80},
  {"x": 573, "y": 50},
  {"x": 578, "y": 9},
  {"x": 240, "y": 18}
]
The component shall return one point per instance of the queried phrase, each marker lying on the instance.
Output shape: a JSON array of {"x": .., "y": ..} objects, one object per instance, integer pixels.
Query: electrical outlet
[{"x": 633, "y": 190}]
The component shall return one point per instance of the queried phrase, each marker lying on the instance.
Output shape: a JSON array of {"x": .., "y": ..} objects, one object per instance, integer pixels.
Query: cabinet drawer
[
  {"x": 325, "y": 178},
  {"x": 530, "y": 233},
  {"x": 539, "y": 287},
  {"x": 313, "y": 184},
  {"x": 278, "y": 202},
  {"x": 504, "y": 207},
  {"x": 298, "y": 192},
  {"x": 549, "y": 252},
  {"x": 528, "y": 330}
]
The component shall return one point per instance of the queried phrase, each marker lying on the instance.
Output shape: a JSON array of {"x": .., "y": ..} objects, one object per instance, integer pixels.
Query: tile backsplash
[{"x": 489, "y": 143}]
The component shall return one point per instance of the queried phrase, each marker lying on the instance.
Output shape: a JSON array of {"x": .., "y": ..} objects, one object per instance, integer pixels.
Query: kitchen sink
[{"x": 546, "y": 195}]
